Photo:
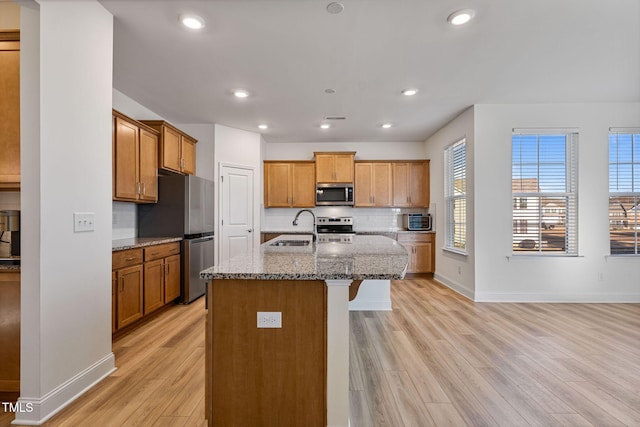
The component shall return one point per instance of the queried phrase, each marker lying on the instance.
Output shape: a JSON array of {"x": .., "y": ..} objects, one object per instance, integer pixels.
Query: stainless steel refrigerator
[{"x": 184, "y": 209}]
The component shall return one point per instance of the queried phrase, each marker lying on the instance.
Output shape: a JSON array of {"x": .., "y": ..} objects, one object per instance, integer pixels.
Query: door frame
[{"x": 218, "y": 208}]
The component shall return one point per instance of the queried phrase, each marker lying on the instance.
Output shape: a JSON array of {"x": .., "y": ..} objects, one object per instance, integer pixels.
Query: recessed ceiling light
[
  {"x": 409, "y": 92},
  {"x": 325, "y": 126},
  {"x": 386, "y": 125},
  {"x": 193, "y": 22},
  {"x": 335, "y": 7},
  {"x": 461, "y": 17},
  {"x": 240, "y": 93},
  {"x": 263, "y": 127},
  {"x": 330, "y": 91}
]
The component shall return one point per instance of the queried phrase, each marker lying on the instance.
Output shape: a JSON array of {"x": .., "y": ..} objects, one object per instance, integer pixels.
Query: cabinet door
[
  {"x": 9, "y": 331},
  {"x": 381, "y": 184},
  {"x": 188, "y": 156},
  {"x": 171, "y": 278},
  {"x": 303, "y": 185},
  {"x": 153, "y": 285},
  {"x": 170, "y": 149},
  {"x": 129, "y": 305},
  {"x": 401, "y": 184},
  {"x": 325, "y": 168},
  {"x": 363, "y": 184},
  {"x": 148, "y": 166},
  {"x": 126, "y": 161},
  {"x": 419, "y": 184},
  {"x": 114, "y": 296},
  {"x": 277, "y": 185},
  {"x": 10, "y": 115},
  {"x": 422, "y": 258},
  {"x": 343, "y": 167}
]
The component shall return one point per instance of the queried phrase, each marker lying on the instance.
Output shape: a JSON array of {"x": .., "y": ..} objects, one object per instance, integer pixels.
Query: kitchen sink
[{"x": 291, "y": 243}]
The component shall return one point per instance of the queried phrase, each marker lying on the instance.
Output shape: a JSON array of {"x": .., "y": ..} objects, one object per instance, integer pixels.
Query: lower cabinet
[
  {"x": 10, "y": 332},
  {"x": 144, "y": 280},
  {"x": 420, "y": 249}
]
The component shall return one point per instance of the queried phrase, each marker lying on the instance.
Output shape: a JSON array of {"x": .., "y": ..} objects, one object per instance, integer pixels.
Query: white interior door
[{"x": 236, "y": 227}]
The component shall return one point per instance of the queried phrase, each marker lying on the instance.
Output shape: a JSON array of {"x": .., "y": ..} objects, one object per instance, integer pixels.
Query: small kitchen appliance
[
  {"x": 334, "y": 194},
  {"x": 417, "y": 221},
  {"x": 10, "y": 222}
]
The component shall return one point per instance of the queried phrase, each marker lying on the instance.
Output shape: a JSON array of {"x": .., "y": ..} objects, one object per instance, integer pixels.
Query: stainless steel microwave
[
  {"x": 334, "y": 194},
  {"x": 417, "y": 221}
]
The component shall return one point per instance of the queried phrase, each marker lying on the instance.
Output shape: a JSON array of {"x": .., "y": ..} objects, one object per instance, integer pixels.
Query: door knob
[{"x": 250, "y": 230}]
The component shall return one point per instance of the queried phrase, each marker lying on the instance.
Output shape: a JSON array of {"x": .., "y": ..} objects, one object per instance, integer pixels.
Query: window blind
[
  {"x": 544, "y": 191},
  {"x": 456, "y": 196}
]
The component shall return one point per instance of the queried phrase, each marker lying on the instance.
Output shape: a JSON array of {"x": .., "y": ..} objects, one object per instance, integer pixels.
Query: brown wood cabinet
[
  {"x": 10, "y": 110},
  {"x": 135, "y": 161},
  {"x": 373, "y": 184},
  {"x": 10, "y": 331},
  {"x": 411, "y": 184},
  {"x": 161, "y": 275},
  {"x": 334, "y": 166},
  {"x": 289, "y": 184},
  {"x": 144, "y": 280},
  {"x": 420, "y": 249},
  {"x": 177, "y": 150}
]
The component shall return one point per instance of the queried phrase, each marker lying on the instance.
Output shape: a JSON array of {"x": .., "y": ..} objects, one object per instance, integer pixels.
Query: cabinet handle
[
  {"x": 144, "y": 188},
  {"x": 130, "y": 258}
]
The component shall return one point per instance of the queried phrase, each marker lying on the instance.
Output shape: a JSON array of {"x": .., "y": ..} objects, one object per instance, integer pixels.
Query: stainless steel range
[{"x": 335, "y": 229}]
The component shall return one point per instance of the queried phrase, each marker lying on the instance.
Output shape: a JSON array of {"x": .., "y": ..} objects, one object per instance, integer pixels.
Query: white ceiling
[{"x": 287, "y": 52}]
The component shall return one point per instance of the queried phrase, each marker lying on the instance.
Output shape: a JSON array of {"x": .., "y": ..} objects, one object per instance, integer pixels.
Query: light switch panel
[{"x": 83, "y": 221}]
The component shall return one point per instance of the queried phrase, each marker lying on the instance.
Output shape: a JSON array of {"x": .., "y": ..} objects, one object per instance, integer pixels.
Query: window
[
  {"x": 624, "y": 191},
  {"x": 455, "y": 196},
  {"x": 544, "y": 191}
]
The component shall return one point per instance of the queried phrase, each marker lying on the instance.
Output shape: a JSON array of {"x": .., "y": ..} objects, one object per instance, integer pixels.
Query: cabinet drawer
[
  {"x": 126, "y": 258},
  {"x": 415, "y": 237},
  {"x": 161, "y": 251}
]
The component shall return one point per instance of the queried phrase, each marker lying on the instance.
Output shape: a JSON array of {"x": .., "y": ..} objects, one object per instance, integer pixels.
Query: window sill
[
  {"x": 529, "y": 257},
  {"x": 455, "y": 251},
  {"x": 629, "y": 256}
]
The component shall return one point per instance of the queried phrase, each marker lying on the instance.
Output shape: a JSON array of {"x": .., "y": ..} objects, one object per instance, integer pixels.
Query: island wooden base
[{"x": 266, "y": 377}]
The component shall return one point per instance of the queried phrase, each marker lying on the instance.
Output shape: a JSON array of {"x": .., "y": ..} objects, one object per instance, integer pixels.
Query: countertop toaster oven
[{"x": 417, "y": 221}]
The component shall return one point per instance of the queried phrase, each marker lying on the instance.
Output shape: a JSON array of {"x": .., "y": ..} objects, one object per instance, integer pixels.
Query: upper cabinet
[
  {"x": 411, "y": 183},
  {"x": 177, "y": 150},
  {"x": 334, "y": 166},
  {"x": 289, "y": 184},
  {"x": 10, "y": 110},
  {"x": 373, "y": 184},
  {"x": 135, "y": 161}
]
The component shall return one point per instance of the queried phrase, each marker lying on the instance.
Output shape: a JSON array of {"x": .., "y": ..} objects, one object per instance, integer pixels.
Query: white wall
[
  {"x": 593, "y": 275},
  {"x": 66, "y": 168},
  {"x": 454, "y": 270},
  {"x": 240, "y": 148},
  {"x": 364, "y": 150}
]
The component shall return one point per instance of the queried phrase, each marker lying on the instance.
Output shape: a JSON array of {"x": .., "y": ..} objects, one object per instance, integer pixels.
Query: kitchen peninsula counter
[{"x": 293, "y": 369}]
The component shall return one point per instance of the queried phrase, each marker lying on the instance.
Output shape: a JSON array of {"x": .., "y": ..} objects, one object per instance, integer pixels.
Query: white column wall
[
  {"x": 455, "y": 270},
  {"x": 238, "y": 147},
  {"x": 66, "y": 283},
  {"x": 592, "y": 276}
]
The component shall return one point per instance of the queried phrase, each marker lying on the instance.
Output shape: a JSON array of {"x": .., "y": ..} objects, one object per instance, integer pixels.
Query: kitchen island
[{"x": 294, "y": 370}]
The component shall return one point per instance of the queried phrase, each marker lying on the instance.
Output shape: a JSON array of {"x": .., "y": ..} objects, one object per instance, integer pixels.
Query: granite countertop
[
  {"x": 368, "y": 257},
  {"x": 139, "y": 242},
  {"x": 9, "y": 267}
]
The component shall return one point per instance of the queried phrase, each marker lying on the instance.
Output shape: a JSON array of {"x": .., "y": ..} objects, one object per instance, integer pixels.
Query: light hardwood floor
[{"x": 437, "y": 359}]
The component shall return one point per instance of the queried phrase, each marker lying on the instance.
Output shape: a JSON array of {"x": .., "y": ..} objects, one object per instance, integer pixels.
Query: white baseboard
[
  {"x": 38, "y": 410},
  {"x": 453, "y": 285},
  {"x": 363, "y": 304},
  {"x": 557, "y": 297}
]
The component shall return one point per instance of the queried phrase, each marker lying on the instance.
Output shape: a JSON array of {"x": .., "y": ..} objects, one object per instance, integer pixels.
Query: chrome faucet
[{"x": 315, "y": 226}]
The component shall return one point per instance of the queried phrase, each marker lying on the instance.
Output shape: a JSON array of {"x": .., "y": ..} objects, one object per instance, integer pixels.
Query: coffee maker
[{"x": 10, "y": 222}]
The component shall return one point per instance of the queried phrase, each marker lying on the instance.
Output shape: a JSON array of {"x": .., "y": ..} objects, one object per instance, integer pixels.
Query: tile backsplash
[
  {"x": 124, "y": 221},
  {"x": 364, "y": 219}
]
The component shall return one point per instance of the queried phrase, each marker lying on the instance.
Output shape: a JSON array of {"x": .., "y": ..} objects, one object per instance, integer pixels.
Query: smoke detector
[{"x": 334, "y": 8}]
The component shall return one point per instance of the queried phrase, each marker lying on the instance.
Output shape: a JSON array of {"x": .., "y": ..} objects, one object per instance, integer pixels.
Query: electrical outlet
[
  {"x": 269, "y": 319},
  {"x": 83, "y": 221}
]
